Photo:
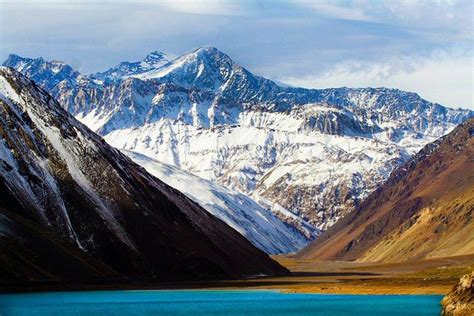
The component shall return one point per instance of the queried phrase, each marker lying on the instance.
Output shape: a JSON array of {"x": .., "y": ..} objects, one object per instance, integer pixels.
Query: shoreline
[{"x": 424, "y": 277}]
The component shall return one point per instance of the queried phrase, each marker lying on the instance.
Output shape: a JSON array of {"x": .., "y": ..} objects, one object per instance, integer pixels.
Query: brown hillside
[{"x": 424, "y": 210}]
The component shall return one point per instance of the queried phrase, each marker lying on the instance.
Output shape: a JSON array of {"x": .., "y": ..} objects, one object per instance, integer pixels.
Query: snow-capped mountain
[
  {"x": 125, "y": 69},
  {"x": 298, "y": 170},
  {"x": 258, "y": 224},
  {"x": 75, "y": 209},
  {"x": 48, "y": 74},
  {"x": 315, "y": 152}
]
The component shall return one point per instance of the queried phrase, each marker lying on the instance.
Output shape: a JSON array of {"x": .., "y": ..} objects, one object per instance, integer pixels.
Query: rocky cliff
[{"x": 460, "y": 301}]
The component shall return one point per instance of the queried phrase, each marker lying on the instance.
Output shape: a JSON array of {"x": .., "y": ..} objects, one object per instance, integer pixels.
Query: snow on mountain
[
  {"x": 125, "y": 69},
  {"x": 316, "y": 174},
  {"x": 47, "y": 74},
  {"x": 75, "y": 209},
  {"x": 258, "y": 224},
  {"x": 316, "y": 152},
  {"x": 423, "y": 211}
]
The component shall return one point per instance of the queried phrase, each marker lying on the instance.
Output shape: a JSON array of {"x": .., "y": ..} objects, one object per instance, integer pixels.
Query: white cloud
[
  {"x": 445, "y": 79},
  {"x": 336, "y": 10},
  {"x": 206, "y": 7},
  {"x": 313, "y": 43},
  {"x": 454, "y": 16}
]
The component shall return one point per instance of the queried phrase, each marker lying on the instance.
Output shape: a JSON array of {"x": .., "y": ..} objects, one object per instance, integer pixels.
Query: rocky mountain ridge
[
  {"x": 152, "y": 61},
  {"x": 75, "y": 209},
  {"x": 317, "y": 153}
]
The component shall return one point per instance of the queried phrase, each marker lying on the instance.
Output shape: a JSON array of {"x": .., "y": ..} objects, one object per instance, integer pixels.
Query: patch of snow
[{"x": 257, "y": 223}]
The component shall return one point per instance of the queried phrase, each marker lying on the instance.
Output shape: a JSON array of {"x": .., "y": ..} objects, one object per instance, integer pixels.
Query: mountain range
[
  {"x": 76, "y": 210},
  {"x": 424, "y": 210},
  {"x": 307, "y": 155}
]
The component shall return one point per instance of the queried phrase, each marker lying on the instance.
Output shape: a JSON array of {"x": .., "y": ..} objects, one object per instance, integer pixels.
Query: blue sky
[{"x": 415, "y": 45}]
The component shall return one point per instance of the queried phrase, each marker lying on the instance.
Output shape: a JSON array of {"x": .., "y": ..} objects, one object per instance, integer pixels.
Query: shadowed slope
[{"x": 70, "y": 202}]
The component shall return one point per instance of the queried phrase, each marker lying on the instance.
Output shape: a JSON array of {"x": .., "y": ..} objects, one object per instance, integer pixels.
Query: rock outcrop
[{"x": 460, "y": 301}]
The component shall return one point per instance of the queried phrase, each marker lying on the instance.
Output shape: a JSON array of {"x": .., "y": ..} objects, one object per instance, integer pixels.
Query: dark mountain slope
[
  {"x": 424, "y": 210},
  {"x": 74, "y": 208}
]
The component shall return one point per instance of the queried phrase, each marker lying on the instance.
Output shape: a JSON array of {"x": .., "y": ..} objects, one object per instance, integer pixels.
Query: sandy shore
[{"x": 435, "y": 276}]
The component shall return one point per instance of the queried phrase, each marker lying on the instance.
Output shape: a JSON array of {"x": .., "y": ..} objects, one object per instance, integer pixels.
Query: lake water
[{"x": 214, "y": 303}]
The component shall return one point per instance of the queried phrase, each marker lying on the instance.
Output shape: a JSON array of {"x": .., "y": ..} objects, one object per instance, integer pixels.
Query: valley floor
[{"x": 434, "y": 276}]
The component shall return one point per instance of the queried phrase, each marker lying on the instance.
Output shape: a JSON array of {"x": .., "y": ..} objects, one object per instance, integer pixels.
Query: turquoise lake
[{"x": 214, "y": 303}]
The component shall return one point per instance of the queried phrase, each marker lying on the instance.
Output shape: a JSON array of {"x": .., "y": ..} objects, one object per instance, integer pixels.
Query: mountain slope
[
  {"x": 258, "y": 224},
  {"x": 151, "y": 62},
  {"x": 48, "y": 74},
  {"x": 424, "y": 210},
  {"x": 318, "y": 153},
  {"x": 69, "y": 200}
]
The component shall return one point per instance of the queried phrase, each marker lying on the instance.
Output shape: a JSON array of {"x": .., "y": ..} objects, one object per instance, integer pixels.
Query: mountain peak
[
  {"x": 157, "y": 56},
  {"x": 14, "y": 59},
  {"x": 151, "y": 62},
  {"x": 206, "y": 55},
  {"x": 47, "y": 74},
  {"x": 209, "y": 51},
  {"x": 204, "y": 67}
]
